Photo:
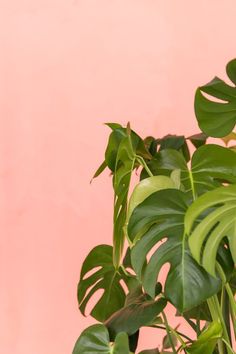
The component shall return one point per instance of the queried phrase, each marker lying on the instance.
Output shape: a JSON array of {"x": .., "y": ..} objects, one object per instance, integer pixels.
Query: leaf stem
[
  {"x": 145, "y": 166},
  {"x": 168, "y": 330},
  {"x": 178, "y": 332}
]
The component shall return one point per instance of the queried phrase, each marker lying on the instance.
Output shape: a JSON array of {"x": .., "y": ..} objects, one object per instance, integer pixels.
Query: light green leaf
[
  {"x": 207, "y": 340},
  {"x": 220, "y": 222},
  {"x": 158, "y": 218},
  {"x": 145, "y": 188},
  {"x": 95, "y": 339},
  {"x": 216, "y": 118},
  {"x": 105, "y": 277}
]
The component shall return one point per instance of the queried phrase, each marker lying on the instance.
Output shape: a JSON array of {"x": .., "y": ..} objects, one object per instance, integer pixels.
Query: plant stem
[
  {"x": 221, "y": 318},
  {"x": 145, "y": 166},
  {"x": 215, "y": 318},
  {"x": 232, "y": 306},
  {"x": 168, "y": 332},
  {"x": 191, "y": 323},
  {"x": 174, "y": 330}
]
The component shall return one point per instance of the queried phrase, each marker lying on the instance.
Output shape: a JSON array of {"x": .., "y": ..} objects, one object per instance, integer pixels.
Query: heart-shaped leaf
[
  {"x": 105, "y": 277},
  {"x": 206, "y": 237},
  {"x": 216, "y": 118},
  {"x": 160, "y": 217},
  {"x": 95, "y": 339}
]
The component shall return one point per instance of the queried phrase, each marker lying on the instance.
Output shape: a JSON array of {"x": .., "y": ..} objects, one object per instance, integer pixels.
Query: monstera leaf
[
  {"x": 211, "y": 164},
  {"x": 220, "y": 222},
  {"x": 216, "y": 118},
  {"x": 160, "y": 217},
  {"x": 105, "y": 277},
  {"x": 140, "y": 310},
  {"x": 95, "y": 339}
]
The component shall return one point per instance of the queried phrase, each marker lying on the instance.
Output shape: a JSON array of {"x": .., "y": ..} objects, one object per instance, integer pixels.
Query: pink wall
[{"x": 67, "y": 66}]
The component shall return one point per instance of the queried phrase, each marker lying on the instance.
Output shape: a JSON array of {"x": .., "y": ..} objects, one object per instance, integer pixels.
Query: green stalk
[
  {"x": 145, "y": 166},
  {"x": 174, "y": 331},
  {"x": 230, "y": 295},
  {"x": 215, "y": 318},
  {"x": 232, "y": 306},
  {"x": 221, "y": 318},
  {"x": 168, "y": 331}
]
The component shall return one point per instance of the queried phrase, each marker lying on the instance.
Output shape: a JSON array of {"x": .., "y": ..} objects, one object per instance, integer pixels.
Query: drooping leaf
[
  {"x": 140, "y": 310},
  {"x": 123, "y": 147},
  {"x": 160, "y": 217},
  {"x": 105, "y": 277},
  {"x": 206, "y": 237},
  {"x": 216, "y": 118},
  {"x": 207, "y": 340},
  {"x": 95, "y": 339}
]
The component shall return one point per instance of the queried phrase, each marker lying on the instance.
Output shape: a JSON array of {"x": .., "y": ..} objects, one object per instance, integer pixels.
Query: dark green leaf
[
  {"x": 104, "y": 277},
  {"x": 216, "y": 118},
  {"x": 100, "y": 169},
  {"x": 211, "y": 165},
  {"x": 198, "y": 139},
  {"x": 161, "y": 216},
  {"x": 139, "y": 311},
  {"x": 95, "y": 339}
]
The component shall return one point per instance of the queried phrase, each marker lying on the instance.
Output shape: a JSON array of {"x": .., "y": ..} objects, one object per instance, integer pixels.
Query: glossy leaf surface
[
  {"x": 160, "y": 217},
  {"x": 220, "y": 222},
  {"x": 140, "y": 311},
  {"x": 104, "y": 276},
  {"x": 95, "y": 339},
  {"x": 216, "y": 118}
]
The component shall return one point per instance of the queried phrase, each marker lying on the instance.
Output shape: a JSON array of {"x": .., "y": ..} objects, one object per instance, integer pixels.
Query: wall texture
[{"x": 66, "y": 67}]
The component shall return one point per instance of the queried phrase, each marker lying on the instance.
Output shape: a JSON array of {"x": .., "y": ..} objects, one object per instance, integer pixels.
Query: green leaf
[
  {"x": 216, "y": 118},
  {"x": 198, "y": 139},
  {"x": 105, "y": 277},
  {"x": 139, "y": 311},
  {"x": 123, "y": 147},
  {"x": 145, "y": 188},
  {"x": 95, "y": 339},
  {"x": 220, "y": 222},
  {"x": 211, "y": 164},
  {"x": 207, "y": 340},
  {"x": 100, "y": 169},
  {"x": 125, "y": 162},
  {"x": 160, "y": 217},
  {"x": 121, "y": 344}
]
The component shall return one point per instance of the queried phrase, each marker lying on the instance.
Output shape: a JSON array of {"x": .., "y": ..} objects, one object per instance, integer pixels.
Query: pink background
[{"x": 67, "y": 66}]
